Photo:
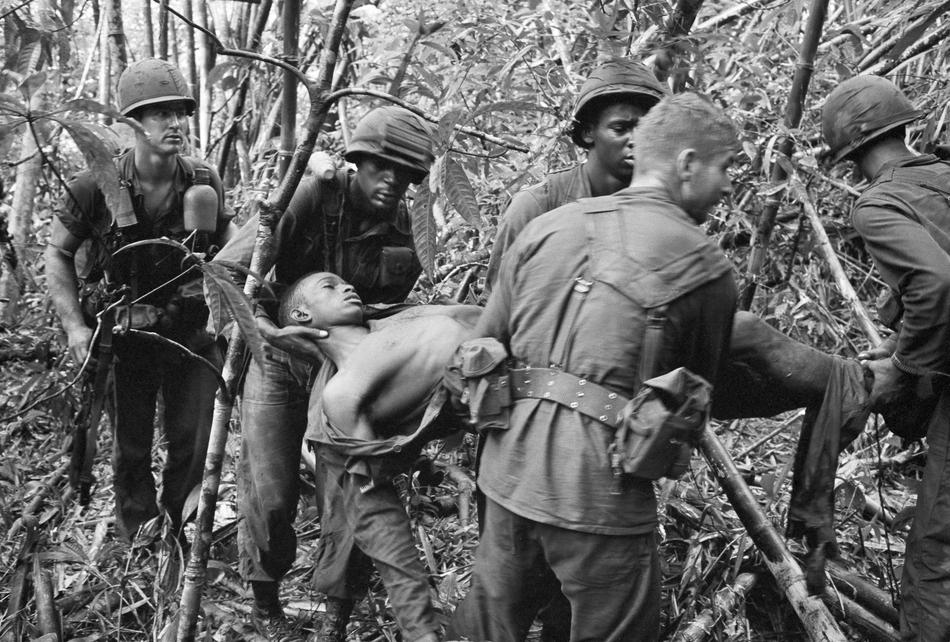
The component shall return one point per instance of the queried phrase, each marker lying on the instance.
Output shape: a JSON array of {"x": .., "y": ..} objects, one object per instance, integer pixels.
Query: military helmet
[
  {"x": 150, "y": 81},
  {"x": 396, "y": 135},
  {"x": 859, "y": 110},
  {"x": 617, "y": 77}
]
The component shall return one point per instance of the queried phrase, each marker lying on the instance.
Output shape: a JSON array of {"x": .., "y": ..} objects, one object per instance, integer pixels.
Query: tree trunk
[
  {"x": 21, "y": 223},
  {"x": 288, "y": 112},
  {"x": 191, "y": 65},
  {"x": 163, "y": 30},
  {"x": 118, "y": 54},
  {"x": 254, "y": 41},
  {"x": 105, "y": 67},
  {"x": 148, "y": 28},
  {"x": 204, "y": 88}
]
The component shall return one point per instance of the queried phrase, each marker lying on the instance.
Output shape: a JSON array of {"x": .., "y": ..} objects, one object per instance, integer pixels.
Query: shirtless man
[{"x": 365, "y": 422}]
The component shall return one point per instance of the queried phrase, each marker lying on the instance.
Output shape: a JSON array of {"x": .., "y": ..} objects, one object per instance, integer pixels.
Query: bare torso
[{"x": 393, "y": 370}]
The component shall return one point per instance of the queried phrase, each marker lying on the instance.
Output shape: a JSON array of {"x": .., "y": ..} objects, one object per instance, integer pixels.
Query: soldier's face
[
  {"x": 331, "y": 301},
  {"x": 611, "y": 138},
  {"x": 166, "y": 127},
  {"x": 381, "y": 183},
  {"x": 709, "y": 181}
]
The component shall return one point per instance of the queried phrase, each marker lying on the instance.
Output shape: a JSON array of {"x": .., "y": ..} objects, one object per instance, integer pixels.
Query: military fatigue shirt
[
  {"x": 904, "y": 218},
  {"x": 376, "y": 256},
  {"x": 85, "y": 214},
  {"x": 551, "y": 465},
  {"x": 557, "y": 189}
]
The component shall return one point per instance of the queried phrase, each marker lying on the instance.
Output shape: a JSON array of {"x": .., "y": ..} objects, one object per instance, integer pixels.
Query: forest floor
[{"x": 103, "y": 589}]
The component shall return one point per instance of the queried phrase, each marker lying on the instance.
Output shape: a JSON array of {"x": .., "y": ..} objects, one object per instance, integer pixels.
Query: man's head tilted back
[
  {"x": 320, "y": 300},
  {"x": 689, "y": 143}
]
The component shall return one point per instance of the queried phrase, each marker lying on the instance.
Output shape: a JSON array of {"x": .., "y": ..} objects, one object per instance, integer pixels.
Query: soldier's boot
[
  {"x": 332, "y": 624},
  {"x": 268, "y": 616}
]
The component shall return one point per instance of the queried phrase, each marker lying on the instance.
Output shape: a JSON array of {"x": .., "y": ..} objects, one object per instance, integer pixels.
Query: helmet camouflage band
[
  {"x": 861, "y": 109},
  {"x": 152, "y": 81},
  {"x": 615, "y": 78},
  {"x": 396, "y": 135}
]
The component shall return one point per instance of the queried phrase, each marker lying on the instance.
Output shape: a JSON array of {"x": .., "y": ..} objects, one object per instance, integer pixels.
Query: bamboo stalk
[
  {"x": 874, "y": 628},
  {"x": 726, "y": 602},
  {"x": 261, "y": 261},
  {"x": 865, "y": 594},
  {"x": 793, "y": 116},
  {"x": 845, "y": 288},
  {"x": 815, "y": 617},
  {"x": 47, "y": 618}
]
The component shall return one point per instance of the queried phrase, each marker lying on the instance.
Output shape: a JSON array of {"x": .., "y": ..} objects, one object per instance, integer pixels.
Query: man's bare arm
[
  {"x": 61, "y": 281},
  {"x": 390, "y": 375}
]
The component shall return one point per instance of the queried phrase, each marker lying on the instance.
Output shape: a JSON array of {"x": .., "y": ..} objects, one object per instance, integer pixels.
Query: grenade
[{"x": 200, "y": 208}]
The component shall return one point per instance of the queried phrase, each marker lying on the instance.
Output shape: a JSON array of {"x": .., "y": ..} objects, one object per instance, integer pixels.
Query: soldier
[
  {"x": 568, "y": 302},
  {"x": 158, "y": 183},
  {"x": 367, "y": 409},
  {"x": 611, "y": 102},
  {"x": 904, "y": 218},
  {"x": 357, "y": 226}
]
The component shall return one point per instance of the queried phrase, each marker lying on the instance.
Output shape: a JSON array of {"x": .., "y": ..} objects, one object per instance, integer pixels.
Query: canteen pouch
[
  {"x": 477, "y": 382},
  {"x": 138, "y": 316},
  {"x": 660, "y": 425}
]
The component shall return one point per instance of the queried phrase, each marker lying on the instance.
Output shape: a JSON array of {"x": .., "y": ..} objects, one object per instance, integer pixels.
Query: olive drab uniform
[
  {"x": 174, "y": 309},
  {"x": 552, "y": 491},
  {"x": 904, "y": 218}
]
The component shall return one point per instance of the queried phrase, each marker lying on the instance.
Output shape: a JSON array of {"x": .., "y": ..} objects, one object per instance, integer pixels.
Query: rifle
[{"x": 95, "y": 383}]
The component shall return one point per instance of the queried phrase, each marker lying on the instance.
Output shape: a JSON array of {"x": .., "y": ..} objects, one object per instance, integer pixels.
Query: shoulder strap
[{"x": 652, "y": 342}]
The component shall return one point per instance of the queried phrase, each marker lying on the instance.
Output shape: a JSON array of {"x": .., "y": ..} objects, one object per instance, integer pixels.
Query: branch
[
  {"x": 240, "y": 53},
  {"x": 468, "y": 131}
]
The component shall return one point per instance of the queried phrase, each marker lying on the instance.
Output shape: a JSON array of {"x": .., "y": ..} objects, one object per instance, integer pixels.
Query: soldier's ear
[
  {"x": 300, "y": 316},
  {"x": 686, "y": 164}
]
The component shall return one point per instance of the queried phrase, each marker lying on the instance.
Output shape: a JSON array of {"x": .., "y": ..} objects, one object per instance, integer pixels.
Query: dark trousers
[
  {"x": 188, "y": 388},
  {"x": 611, "y": 582},
  {"x": 925, "y": 584},
  {"x": 361, "y": 527},
  {"x": 273, "y": 422}
]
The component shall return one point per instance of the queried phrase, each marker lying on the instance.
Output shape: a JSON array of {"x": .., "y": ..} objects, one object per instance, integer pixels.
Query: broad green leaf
[
  {"x": 12, "y": 104},
  {"x": 91, "y": 106},
  {"x": 219, "y": 284},
  {"x": 460, "y": 193},
  {"x": 32, "y": 84},
  {"x": 446, "y": 133},
  {"x": 424, "y": 231},
  {"x": 99, "y": 160}
]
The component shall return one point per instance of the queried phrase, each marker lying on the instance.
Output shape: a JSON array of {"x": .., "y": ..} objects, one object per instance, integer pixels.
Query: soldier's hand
[
  {"x": 78, "y": 340},
  {"x": 298, "y": 340},
  {"x": 880, "y": 351},
  {"x": 889, "y": 381}
]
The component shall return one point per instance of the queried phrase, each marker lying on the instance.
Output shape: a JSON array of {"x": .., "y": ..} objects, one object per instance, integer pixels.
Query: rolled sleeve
[{"x": 79, "y": 206}]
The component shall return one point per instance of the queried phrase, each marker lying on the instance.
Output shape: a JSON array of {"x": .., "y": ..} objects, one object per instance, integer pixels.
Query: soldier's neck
[
  {"x": 600, "y": 181},
  {"x": 877, "y": 156},
  {"x": 151, "y": 167},
  {"x": 342, "y": 341}
]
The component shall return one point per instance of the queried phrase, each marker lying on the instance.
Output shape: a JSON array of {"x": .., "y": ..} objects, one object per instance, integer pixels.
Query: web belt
[{"x": 580, "y": 395}]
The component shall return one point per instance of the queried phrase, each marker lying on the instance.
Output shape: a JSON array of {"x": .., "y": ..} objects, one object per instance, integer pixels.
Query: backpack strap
[{"x": 652, "y": 343}]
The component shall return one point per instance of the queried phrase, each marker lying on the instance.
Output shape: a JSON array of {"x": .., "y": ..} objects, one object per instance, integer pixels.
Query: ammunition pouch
[
  {"x": 477, "y": 382},
  {"x": 395, "y": 265},
  {"x": 660, "y": 426}
]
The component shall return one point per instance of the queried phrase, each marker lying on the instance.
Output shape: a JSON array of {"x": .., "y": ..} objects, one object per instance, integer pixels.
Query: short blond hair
[{"x": 682, "y": 121}]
